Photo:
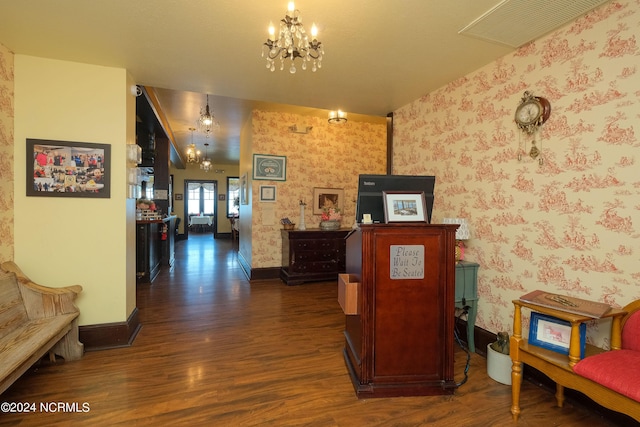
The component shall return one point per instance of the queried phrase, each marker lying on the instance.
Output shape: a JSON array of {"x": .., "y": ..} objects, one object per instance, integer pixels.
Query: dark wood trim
[
  {"x": 265, "y": 273},
  {"x": 110, "y": 335}
]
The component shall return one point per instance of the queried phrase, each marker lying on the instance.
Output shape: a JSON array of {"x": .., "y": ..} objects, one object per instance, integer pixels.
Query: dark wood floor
[{"x": 217, "y": 350}]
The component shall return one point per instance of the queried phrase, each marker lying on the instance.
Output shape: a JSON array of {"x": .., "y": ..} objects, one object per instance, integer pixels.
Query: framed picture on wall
[
  {"x": 68, "y": 169},
  {"x": 267, "y": 193},
  {"x": 324, "y": 198},
  {"x": 267, "y": 167},
  {"x": 244, "y": 191}
]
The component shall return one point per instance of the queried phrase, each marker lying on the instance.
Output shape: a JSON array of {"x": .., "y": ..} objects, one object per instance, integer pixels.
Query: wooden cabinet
[
  {"x": 313, "y": 254},
  {"x": 147, "y": 250},
  {"x": 401, "y": 342}
]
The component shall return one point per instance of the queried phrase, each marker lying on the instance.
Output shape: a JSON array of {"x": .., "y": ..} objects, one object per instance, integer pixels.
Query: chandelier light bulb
[
  {"x": 272, "y": 30},
  {"x": 291, "y": 7},
  {"x": 314, "y": 31}
]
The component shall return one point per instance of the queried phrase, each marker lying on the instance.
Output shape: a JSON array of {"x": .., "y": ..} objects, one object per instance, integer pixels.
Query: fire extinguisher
[{"x": 163, "y": 234}]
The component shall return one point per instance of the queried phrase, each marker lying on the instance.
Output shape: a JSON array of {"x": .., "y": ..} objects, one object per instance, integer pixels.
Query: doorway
[{"x": 200, "y": 207}]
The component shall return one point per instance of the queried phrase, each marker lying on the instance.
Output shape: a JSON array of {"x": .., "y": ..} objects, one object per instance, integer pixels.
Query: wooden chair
[{"x": 234, "y": 228}]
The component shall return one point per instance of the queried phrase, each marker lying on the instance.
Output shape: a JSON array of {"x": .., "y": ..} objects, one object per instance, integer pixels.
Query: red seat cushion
[{"x": 618, "y": 370}]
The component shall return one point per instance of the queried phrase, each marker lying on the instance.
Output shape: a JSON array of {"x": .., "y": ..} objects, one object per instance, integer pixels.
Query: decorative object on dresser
[
  {"x": 312, "y": 255},
  {"x": 330, "y": 219},
  {"x": 302, "y": 225}
]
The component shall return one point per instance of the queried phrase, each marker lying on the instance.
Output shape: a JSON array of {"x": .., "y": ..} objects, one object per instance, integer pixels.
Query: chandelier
[
  {"x": 206, "y": 162},
  {"x": 337, "y": 116},
  {"x": 193, "y": 155},
  {"x": 207, "y": 122},
  {"x": 293, "y": 42}
]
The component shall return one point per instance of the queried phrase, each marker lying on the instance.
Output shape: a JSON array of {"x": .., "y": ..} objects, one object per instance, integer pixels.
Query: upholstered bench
[
  {"x": 616, "y": 374},
  {"x": 34, "y": 320}
]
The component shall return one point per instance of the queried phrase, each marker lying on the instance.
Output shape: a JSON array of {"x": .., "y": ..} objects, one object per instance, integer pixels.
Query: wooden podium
[{"x": 401, "y": 341}]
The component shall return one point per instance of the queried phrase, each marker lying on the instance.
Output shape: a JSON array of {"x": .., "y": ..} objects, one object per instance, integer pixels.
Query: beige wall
[
  {"x": 329, "y": 156},
  {"x": 570, "y": 225},
  {"x": 6, "y": 154},
  {"x": 64, "y": 241}
]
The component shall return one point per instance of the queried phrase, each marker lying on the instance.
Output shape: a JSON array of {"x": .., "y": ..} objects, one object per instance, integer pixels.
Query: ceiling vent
[{"x": 516, "y": 22}]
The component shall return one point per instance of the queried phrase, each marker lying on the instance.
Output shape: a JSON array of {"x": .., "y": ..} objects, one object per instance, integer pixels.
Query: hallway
[{"x": 218, "y": 350}]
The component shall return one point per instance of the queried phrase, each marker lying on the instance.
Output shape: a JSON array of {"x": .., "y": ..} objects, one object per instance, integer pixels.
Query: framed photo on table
[
  {"x": 271, "y": 168},
  {"x": 404, "y": 206},
  {"x": 554, "y": 334},
  {"x": 68, "y": 169}
]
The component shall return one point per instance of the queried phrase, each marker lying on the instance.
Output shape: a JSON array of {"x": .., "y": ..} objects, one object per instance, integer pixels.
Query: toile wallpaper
[
  {"x": 329, "y": 156},
  {"x": 6, "y": 154},
  {"x": 568, "y": 221}
]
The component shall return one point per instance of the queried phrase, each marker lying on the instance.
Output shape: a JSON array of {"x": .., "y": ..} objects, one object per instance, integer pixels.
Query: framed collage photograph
[
  {"x": 68, "y": 169},
  {"x": 244, "y": 191},
  {"x": 267, "y": 193},
  {"x": 325, "y": 198},
  {"x": 271, "y": 168},
  {"x": 404, "y": 206},
  {"x": 554, "y": 334}
]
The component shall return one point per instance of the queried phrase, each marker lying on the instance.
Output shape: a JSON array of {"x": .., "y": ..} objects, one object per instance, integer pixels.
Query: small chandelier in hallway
[
  {"x": 206, "y": 162},
  {"x": 337, "y": 116},
  {"x": 292, "y": 42},
  {"x": 193, "y": 155},
  {"x": 207, "y": 121}
]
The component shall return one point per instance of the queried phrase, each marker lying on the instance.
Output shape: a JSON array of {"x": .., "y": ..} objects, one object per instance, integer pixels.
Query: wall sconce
[{"x": 337, "y": 116}]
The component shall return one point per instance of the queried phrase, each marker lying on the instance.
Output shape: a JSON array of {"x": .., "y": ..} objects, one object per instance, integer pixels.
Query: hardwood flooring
[{"x": 218, "y": 350}]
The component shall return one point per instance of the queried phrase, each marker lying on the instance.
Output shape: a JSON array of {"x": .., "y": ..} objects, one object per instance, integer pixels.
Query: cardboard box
[{"x": 349, "y": 294}]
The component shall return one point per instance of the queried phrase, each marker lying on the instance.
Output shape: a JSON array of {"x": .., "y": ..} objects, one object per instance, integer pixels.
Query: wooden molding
[{"x": 110, "y": 335}]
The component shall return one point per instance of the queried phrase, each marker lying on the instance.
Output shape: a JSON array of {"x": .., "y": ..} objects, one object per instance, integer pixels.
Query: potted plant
[
  {"x": 498, "y": 359},
  {"x": 330, "y": 219}
]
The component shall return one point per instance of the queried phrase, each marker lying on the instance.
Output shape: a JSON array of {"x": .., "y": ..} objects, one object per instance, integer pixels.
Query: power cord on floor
[{"x": 465, "y": 311}]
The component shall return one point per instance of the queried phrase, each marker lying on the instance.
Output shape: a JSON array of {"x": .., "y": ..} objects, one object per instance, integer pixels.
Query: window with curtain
[{"x": 201, "y": 197}]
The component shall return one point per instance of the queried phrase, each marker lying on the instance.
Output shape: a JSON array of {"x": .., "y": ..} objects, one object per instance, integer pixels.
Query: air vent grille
[{"x": 517, "y": 22}]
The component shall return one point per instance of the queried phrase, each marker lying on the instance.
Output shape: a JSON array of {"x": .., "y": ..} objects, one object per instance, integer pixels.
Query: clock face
[{"x": 528, "y": 112}]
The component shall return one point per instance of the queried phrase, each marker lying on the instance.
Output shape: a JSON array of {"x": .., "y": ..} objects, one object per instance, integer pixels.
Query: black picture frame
[{"x": 68, "y": 169}]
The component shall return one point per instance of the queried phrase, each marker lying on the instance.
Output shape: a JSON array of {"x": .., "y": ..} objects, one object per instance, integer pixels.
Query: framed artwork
[
  {"x": 178, "y": 196},
  {"x": 244, "y": 191},
  {"x": 271, "y": 168},
  {"x": 267, "y": 193},
  {"x": 554, "y": 334},
  {"x": 222, "y": 197},
  {"x": 404, "y": 206},
  {"x": 324, "y": 198},
  {"x": 68, "y": 169}
]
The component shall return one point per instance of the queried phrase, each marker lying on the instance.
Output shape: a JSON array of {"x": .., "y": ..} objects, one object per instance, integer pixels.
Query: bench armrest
[{"x": 42, "y": 301}]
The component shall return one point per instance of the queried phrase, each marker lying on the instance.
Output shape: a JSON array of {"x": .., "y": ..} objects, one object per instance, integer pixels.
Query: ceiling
[{"x": 379, "y": 54}]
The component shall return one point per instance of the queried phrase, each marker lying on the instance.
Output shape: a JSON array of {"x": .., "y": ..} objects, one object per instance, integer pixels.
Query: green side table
[{"x": 467, "y": 294}]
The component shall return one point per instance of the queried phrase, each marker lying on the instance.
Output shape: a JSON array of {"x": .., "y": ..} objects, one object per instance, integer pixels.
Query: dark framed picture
[
  {"x": 222, "y": 197},
  {"x": 404, "y": 206},
  {"x": 554, "y": 334},
  {"x": 178, "y": 196},
  {"x": 68, "y": 169},
  {"x": 267, "y": 193},
  {"x": 267, "y": 167},
  {"x": 325, "y": 198}
]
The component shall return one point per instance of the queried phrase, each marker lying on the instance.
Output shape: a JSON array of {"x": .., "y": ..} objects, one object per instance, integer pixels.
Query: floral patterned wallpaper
[
  {"x": 6, "y": 154},
  {"x": 329, "y": 156},
  {"x": 569, "y": 221}
]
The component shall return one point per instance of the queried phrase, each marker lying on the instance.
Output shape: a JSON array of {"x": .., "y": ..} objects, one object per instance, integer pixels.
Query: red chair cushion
[{"x": 615, "y": 369}]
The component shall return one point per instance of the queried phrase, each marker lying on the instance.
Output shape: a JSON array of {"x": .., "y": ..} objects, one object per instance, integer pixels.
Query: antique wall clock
[{"x": 531, "y": 114}]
